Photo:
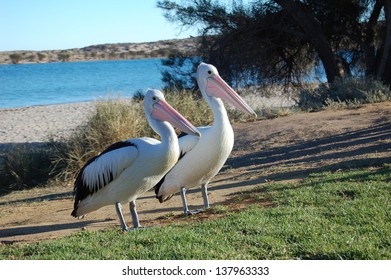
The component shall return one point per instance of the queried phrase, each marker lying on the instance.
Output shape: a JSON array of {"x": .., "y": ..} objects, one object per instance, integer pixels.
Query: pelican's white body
[
  {"x": 204, "y": 157},
  {"x": 145, "y": 164}
]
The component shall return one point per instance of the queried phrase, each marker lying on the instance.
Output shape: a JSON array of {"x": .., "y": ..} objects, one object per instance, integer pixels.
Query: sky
[{"x": 65, "y": 24}]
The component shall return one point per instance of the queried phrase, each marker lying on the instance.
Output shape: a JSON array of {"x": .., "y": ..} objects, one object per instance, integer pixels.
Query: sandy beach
[{"x": 39, "y": 123}]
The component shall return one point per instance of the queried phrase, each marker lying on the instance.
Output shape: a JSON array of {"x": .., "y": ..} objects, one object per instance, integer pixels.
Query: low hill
[{"x": 156, "y": 49}]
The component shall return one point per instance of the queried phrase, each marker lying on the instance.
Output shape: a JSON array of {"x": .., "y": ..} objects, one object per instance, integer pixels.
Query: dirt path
[{"x": 283, "y": 149}]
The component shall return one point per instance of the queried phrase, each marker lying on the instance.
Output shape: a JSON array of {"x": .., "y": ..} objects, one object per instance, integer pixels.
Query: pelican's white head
[
  {"x": 212, "y": 85},
  {"x": 158, "y": 110}
]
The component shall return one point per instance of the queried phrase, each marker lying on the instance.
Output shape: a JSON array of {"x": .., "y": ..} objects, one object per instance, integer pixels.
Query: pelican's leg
[
  {"x": 204, "y": 190},
  {"x": 133, "y": 213},
  {"x": 186, "y": 210},
  {"x": 118, "y": 208}
]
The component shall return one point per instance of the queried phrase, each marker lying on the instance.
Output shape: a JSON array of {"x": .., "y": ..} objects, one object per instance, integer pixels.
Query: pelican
[
  {"x": 202, "y": 158},
  {"x": 126, "y": 170}
]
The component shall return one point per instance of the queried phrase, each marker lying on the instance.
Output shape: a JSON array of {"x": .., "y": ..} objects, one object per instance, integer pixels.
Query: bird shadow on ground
[
  {"x": 54, "y": 196},
  {"x": 37, "y": 229},
  {"x": 369, "y": 147}
]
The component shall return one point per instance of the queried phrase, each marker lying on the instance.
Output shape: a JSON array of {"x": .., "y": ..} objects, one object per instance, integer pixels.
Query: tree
[
  {"x": 15, "y": 58},
  {"x": 63, "y": 56},
  {"x": 312, "y": 31},
  {"x": 383, "y": 68},
  {"x": 41, "y": 56},
  {"x": 282, "y": 40},
  {"x": 178, "y": 71}
]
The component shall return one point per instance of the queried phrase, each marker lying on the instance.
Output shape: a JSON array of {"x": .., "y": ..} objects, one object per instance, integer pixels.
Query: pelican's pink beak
[
  {"x": 217, "y": 87},
  {"x": 163, "y": 111}
]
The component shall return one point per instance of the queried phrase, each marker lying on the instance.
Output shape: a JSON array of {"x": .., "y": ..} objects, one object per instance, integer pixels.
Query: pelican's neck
[
  {"x": 220, "y": 116},
  {"x": 167, "y": 135},
  {"x": 221, "y": 128}
]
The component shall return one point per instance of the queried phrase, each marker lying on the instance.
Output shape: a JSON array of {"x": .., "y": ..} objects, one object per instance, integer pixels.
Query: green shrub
[
  {"x": 15, "y": 58},
  {"x": 344, "y": 93},
  {"x": 63, "y": 56},
  {"x": 41, "y": 56},
  {"x": 24, "y": 167}
]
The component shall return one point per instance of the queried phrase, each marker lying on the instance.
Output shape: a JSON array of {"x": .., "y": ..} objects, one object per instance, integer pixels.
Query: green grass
[{"x": 341, "y": 215}]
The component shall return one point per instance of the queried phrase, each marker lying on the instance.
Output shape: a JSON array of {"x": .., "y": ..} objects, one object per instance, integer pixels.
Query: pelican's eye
[
  {"x": 209, "y": 72},
  {"x": 154, "y": 98}
]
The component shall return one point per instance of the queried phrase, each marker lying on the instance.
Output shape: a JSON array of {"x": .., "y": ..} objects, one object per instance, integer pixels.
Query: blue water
[{"x": 67, "y": 82}]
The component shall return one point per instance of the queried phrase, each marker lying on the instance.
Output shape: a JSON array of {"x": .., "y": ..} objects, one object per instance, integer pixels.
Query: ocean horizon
[{"x": 24, "y": 85}]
